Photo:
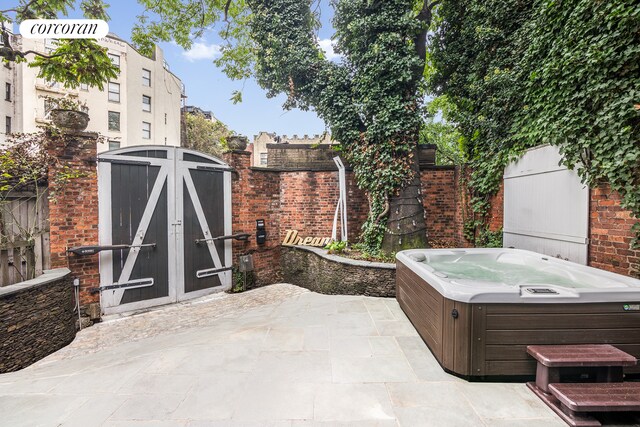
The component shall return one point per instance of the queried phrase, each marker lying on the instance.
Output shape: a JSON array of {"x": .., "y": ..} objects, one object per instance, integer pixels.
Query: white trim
[
  {"x": 226, "y": 277},
  {"x": 104, "y": 231},
  {"x": 173, "y": 270}
]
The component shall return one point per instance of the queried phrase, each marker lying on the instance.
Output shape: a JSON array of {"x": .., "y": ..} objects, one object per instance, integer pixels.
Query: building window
[
  {"x": 84, "y": 86},
  {"x": 165, "y": 118},
  {"x": 7, "y": 91},
  {"x": 146, "y": 130},
  {"x": 114, "y": 145},
  {"x": 263, "y": 158},
  {"x": 50, "y": 45},
  {"x": 115, "y": 59},
  {"x": 146, "y": 77},
  {"x": 114, "y": 120},
  {"x": 7, "y": 124},
  {"x": 48, "y": 106},
  {"x": 146, "y": 103},
  {"x": 114, "y": 92}
]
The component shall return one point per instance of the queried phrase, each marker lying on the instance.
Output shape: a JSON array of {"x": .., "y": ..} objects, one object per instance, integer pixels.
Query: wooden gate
[{"x": 169, "y": 206}]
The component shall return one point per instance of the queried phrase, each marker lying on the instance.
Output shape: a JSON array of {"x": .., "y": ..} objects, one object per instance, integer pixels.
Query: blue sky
[{"x": 208, "y": 88}]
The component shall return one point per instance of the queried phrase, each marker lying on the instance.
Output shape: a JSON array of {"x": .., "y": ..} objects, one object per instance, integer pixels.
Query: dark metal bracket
[
  {"x": 92, "y": 250},
  {"x": 200, "y": 274},
  {"x": 133, "y": 284},
  {"x": 124, "y": 162},
  {"x": 239, "y": 236}
]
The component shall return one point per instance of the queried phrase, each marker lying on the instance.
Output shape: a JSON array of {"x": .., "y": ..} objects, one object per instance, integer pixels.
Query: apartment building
[
  {"x": 7, "y": 98},
  {"x": 140, "y": 107}
]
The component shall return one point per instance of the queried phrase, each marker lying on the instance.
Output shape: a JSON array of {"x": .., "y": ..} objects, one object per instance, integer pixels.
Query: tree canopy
[
  {"x": 525, "y": 73},
  {"x": 73, "y": 61},
  {"x": 207, "y": 136}
]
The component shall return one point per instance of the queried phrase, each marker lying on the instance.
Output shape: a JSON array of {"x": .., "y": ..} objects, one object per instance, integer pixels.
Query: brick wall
[
  {"x": 610, "y": 234},
  {"x": 440, "y": 199},
  {"x": 73, "y": 210},
  {"x": 306, "y": 201},
  {"x": 496, "y": 212},
  {"x": 256, "y": 195}
]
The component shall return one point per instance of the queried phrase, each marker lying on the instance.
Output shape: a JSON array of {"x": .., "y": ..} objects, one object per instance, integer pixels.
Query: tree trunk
[{"x": 406, "y": 222}]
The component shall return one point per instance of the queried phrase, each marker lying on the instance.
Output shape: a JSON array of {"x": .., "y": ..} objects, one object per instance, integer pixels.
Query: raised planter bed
[{"x": 316, "y": 270}]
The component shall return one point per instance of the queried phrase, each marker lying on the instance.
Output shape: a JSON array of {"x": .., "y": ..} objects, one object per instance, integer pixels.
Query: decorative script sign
[{"x": 292, "y": 238}]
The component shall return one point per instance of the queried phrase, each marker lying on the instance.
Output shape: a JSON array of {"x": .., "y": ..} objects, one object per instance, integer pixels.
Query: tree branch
[{"x": 20, "y": 11}]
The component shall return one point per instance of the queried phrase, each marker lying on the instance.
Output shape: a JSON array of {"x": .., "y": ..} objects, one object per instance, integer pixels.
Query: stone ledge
[
  {"x": 47, "y": 277},
  {"x": 343, "y": 260},
  {"x": 313, "y": 269}
]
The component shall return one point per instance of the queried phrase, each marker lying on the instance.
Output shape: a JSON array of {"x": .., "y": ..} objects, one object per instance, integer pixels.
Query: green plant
[
  {"x": 239, "y": 278},
  {"x": 336, "y": 247},
  {"x": 26, "y": 183},
  {"x": 206, "y": 135},
  {"x": 525, "y": 73}
]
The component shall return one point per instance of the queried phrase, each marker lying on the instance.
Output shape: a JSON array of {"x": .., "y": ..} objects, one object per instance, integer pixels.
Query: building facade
[
  {"x": 260, "y": 142},
  {"x": 140, "y": 107},
  {"x": 8, "y": 111}
]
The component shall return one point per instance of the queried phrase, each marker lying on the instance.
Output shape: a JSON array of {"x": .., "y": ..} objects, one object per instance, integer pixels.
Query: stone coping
[
  {"x": 48, "y": 276},
  {"x": 323, "y": 253}
]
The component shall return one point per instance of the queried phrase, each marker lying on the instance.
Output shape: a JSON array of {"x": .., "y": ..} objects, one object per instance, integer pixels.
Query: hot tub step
[
  {"x": 605, "y": 361},
  {"x": 573, "y": 419},
  {"x": 598, "y": 397},
  {"x": 579, "y": 355},
  {"x": 577, "y": 400}
]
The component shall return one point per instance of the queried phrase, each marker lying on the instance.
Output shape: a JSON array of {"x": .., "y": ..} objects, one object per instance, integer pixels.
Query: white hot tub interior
[{"x": 510, "y": 269}]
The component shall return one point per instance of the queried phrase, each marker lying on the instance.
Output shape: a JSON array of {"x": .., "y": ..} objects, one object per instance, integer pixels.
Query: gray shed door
[
  {"x": 546, "y": 207},
  {"x": 169, "y": 204}
]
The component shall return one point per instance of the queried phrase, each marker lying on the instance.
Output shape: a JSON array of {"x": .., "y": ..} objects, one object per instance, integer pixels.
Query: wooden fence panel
[{"x": 24, "y": 236}]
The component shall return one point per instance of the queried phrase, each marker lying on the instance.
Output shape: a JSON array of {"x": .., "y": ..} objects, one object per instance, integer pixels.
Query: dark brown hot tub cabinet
[{"x": 489, "y": 340}]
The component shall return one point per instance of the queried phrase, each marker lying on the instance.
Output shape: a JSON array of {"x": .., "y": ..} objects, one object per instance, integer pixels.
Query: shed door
[
  {"x": 546, "y": 206},
  {"x": 169, "y": 205}
]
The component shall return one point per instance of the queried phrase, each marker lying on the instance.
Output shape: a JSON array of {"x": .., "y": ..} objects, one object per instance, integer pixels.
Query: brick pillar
[
  {"x": 73, "y": 209},
  {"x": 256, "y": 195}
]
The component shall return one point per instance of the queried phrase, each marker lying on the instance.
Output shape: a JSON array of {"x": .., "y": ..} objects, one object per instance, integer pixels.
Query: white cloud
[
  {"x": 327, "y": 46},
  {"x": 202, "y": 51}
]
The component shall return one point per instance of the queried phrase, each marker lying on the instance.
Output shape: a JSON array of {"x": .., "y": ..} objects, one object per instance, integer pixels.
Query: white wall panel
[{"x": 546, "y": 207}]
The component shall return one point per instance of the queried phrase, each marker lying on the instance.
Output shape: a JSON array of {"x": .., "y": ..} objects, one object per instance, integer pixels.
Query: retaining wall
[
  {"x": 36, "y": 319},
  {"x": 314, "y": 269}
]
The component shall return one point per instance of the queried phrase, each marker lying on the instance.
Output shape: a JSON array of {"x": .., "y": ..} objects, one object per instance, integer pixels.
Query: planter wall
[
  {"x": 36, "y": 319},
  {"x": 314, "y": 269}
]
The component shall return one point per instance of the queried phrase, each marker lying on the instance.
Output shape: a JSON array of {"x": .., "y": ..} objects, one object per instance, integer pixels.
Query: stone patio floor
[{"x": 274, "y": 356}]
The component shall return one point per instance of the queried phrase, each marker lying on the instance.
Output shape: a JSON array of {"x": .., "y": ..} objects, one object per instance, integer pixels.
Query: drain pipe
[{"x": 76, "y": 291}]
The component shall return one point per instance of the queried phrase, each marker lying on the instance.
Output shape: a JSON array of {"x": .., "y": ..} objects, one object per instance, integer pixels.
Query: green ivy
[
  {"x": 525, "y": 73},
  {"x": 370, "y": 101}
]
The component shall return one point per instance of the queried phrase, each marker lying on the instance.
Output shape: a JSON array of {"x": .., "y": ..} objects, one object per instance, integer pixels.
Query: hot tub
[{"x": 478, "y": 309}]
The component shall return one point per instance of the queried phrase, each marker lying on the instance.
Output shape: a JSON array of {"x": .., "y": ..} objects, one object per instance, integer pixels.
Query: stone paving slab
[{"x": 275, "y": 356}]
